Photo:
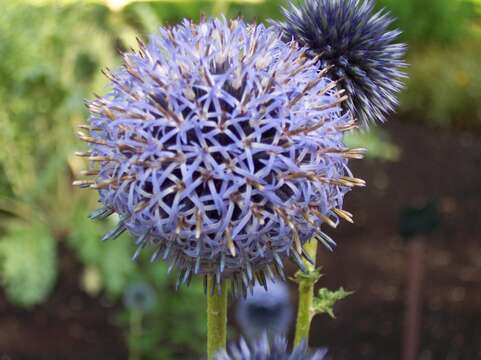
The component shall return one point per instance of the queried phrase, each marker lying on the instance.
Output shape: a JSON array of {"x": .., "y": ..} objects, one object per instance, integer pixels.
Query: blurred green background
[{"x": 51, "y": 54}]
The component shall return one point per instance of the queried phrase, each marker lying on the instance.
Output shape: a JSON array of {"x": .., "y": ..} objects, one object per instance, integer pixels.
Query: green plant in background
[
  {"x": 476, "y": 6},
  {"x": 171, "y": 327},
  {"x": 448, "y": 83},
  {"x": 43, "y": 83},
  {"x": 25, "y": 250},
  {"x": 378, "y": 142},
  {"x": 445, "y": 51},
  {"x": 47, "y": 69},
  {"x": 110, "y": 260},
  {"x": 430, "y": 21},
  {"x": 139, "y": 300}
]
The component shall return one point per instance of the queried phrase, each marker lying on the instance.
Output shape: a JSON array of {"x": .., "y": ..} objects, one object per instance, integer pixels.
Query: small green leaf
[
  {"x": 112, "y": 259},
  {"x": 377, "y": 141},
  {"x": 28, "y": 263},
  {"x": 117, "y": 265},
  {"x": 325, "y": 300}
]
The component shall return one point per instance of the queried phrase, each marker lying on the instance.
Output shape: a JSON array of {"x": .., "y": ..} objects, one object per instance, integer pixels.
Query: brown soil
[
  {"x": 371, "y": 256},
  {"x": 70, "y": 325}
]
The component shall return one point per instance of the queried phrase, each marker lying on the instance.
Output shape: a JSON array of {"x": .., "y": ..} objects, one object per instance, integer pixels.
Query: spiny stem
[
  {"x": 216, "y": 319},
  {"x": 306, "y": 295}
]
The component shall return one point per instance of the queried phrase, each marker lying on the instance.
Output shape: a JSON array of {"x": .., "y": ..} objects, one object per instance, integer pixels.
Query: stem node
[{"x": 306, "y": 281}]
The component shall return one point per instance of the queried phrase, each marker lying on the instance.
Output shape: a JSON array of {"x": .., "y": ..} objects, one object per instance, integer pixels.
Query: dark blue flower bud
[
  {"x": 356, "y": 41},
  {"x": 265, "y": 311},
  {"x": 261, "y": 349},
  {"x": 139, "y": 296}
]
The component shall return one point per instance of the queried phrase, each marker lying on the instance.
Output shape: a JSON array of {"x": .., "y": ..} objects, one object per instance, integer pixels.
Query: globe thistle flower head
[
  {"x": 265, "y": 311},
  {"x": 356, "y": 41},
  {"x": 221, "y": 148},
  {"x": 263, "y": 350},
  {"x": 139, "y": 296}
]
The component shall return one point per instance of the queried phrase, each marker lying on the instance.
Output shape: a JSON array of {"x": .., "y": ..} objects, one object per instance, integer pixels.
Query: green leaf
[
  {"x": 325, "y": 300},
  {"x": 117, "y": 266},
  {"x": 85, "y": 236},
  {"x": 111, "y": 258},
  {"x": 377, "y": 142},
  {"x": 28, "y": 263}
]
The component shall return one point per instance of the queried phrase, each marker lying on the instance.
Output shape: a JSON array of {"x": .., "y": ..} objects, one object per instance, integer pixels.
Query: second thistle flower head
[
  {"x": 350, "y": 36},
  {"x": 220, "y": 146},
  {"x": 265, "y": 311},
  {"x": 139, "y": 296},
  {"x": 261, "y": 349}
]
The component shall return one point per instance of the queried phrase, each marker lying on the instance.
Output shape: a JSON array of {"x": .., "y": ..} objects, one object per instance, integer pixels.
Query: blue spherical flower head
[
  {"x": 139, "y": 296},
  {"x": 356, "y": 41},
  {"x": 221, "y": 148},
  {"x": 263, "y": 350},
  {"x": 265, "y": 311}
]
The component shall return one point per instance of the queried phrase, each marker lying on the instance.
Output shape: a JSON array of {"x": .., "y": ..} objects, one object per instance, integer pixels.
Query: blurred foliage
[
  {"x": 40, "y": 101},
  {"x": 378, "y": 143},
  {"x": 477, "y": 6},
  {"x": 444, "y": 85},
  {"x": 111, "y": 259},
  {"x": 430, "y": 21},
  {"x": 165, "y": 327},
  {"x": 24, "y": 248},
  {"x": 51, "y": 53},
  {"x": 444, "y": 88}
]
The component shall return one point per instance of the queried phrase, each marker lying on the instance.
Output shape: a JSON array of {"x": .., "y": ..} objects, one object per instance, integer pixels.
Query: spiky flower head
[
  {"x": 263, "y": 350},
  {"x": 355, "y": 40},
  {"x": 139, "y": 296},
  {"x": 265, "y": 311},
  {"x": 221, "y": 147}
]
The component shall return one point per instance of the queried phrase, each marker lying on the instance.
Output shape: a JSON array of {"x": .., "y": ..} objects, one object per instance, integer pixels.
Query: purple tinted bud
[
  {"x": 139, "y": 296},
  {"x": 265, "y": 311},
  {"x": 357, "y": 42},
  {"x": 221, "y": 148}
]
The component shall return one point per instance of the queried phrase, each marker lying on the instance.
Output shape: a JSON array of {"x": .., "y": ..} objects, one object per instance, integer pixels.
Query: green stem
[
  {"x": 306, "y": 295},
  {"x": 216, "y": 319},
  {"x": 136, "y": 334}
]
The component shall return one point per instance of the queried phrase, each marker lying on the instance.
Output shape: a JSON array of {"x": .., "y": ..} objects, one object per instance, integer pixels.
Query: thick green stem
[
  {"x": 216, "y": 319},
  {"x": 306, "y": 295}
]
